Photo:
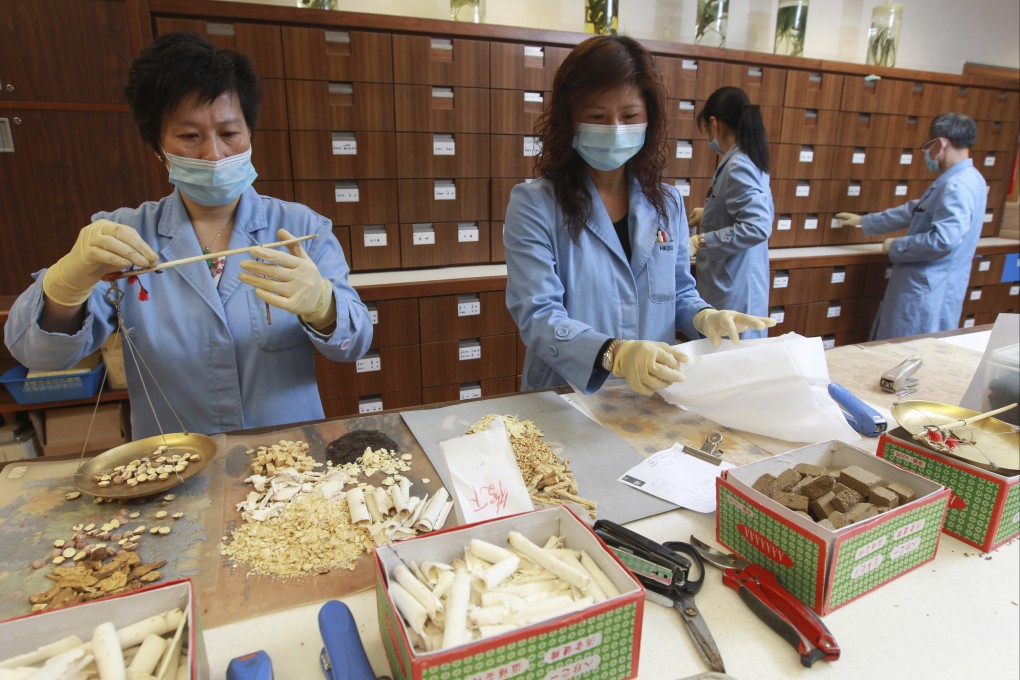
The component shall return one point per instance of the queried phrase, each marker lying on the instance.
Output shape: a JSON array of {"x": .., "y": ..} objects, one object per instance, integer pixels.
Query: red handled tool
[{"x": 773, "y": 604}]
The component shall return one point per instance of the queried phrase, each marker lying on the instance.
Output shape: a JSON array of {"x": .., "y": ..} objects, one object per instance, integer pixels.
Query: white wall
[{"x": 937, "y": 35}]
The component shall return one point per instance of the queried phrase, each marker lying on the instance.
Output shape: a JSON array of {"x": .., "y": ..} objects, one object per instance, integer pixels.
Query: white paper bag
[
  {"x": 486, "y": 479},
  {"x": 777, "y": 387}
]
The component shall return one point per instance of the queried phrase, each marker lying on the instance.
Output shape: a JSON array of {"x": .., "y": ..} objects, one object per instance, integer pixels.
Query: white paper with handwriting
[{"x": 674, "y": 476}]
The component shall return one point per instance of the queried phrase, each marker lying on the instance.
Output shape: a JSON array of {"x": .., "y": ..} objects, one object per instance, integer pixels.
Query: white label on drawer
[
  {"x": 853, "y": 190},
  {"x": 534, "y": 51},
  {"x": 341, "y": 88},
  {"x": 906, "y": 158},
  {"x": 828, "y": 342},
  {"x": 345, "y": 144},
  {"x": 468, "y": 305},
  {"x": 780, "y": 280},
  {"x": 989, "y": 160},
  {"x": 423, "y": 235},
  {"x": 784, "y": 224},
  {"x": 810, "y": 223},
  {"x": 807, "y": 154},
  {"x": 370, "y": 405},
  {"x": 469, "y": 351},
  {"x": 968, "y": 322},
  {"x": 473, "y": 391},
  {"x": 684, "y": 149},
  {"x": 441, "y": 44},
  {"x": 686, "y": 105},
  {"x": 778, "y": 317},
  {"x": 338, "y": 37},
  {"x": 1014, "y": 290},
  {"x": 689, "y": 64},
  {"x": 984, "y": 266},
  {"x": 888, "y": 272},
  {"x": 445, "y": 190},
  {"x": 346, "y": 192},
  {"x": 803, "y": 190},
  {"x": 467, "y": 233},
  {"x": 532, "y": 146},
  {"x": 987, "y": 219},
  {"x": 901, "y": 189},
  {"x": 836, "y": 223},
  {"x": 838, "y": 276},
  {"x": 833, "y": 311},
  {"x": 536, "y": 97},
  {"x": 442, "y": 93},
  {"x": 368, "y": 364},
  {"x": 684, "y": 186},
  {"x": 375, "y": 237},
  {"x": 443, "y": 145},
  {"x": 373, "y": 314},
  {"x": 975, "y": 294},
  {"x": 857, "y": 158}
]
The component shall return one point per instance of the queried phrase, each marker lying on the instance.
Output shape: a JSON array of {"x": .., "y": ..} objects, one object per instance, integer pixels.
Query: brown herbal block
[
  {"x": 766, "y": 484},
  {"x": 810, "y": 470},
  {"x": 838, "y": 519},
  {"x": 821, "y": 507},
  {"x": 904, "y": 492},
  {"x": 827, "y": 524},
  {"x": 861, "y": 511},
  {"x": 845, "y": 499},
  {"x": 794, "y": 501},
  {"x": 817, "y": 487},
  {"x": 859, "y": 479},
  {"x": 788, "y": 478},
  {"x": 882, "y": 497}
]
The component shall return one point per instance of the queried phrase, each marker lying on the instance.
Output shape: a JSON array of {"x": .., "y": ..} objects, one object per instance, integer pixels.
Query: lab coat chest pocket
[
  {"x": 661, "y": 272},
  {"x": 285, "y": 331}
]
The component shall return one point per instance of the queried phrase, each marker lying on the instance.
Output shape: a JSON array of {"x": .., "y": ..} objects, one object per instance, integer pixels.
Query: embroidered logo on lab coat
[{"x": 664, "y": 240}]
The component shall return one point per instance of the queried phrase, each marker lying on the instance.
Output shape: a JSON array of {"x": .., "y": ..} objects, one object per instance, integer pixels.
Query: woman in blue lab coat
[
  {"x": 598, "y": 267},
  {"x": 931, "y": 262},
  {"x": 204, "y": 338},
  {"x": 731, "y": 244}
]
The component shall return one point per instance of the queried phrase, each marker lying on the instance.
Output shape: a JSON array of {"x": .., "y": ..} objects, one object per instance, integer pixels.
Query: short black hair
[
  {"x": 177, "y": 65},
  {"x": 960, "y": 130}
]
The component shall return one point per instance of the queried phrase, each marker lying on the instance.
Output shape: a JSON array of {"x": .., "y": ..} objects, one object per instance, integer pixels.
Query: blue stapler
[
  {"x": 343, "y": 656},
  {"x": 861, "y": 417},
  {"x": 254, "y": 666}
]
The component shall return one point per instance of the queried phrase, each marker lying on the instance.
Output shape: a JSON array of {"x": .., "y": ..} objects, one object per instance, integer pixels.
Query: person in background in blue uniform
[
  {"x": 598, "y": 268},
  {"x": 931, "y": 263},
  {"x": 731, "y": 248},
  {"x": 205, "y": 333}
]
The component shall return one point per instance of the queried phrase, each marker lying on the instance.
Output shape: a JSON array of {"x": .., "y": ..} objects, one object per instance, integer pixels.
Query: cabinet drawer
[
  {"x": 473, "y": 315},
  {"x": 323, "y": 105},
  {"x": 788, "y": 286},
  {"x": 281, "y": 189},
  {"x": 500, "y": 192},
  {"x": 994, "y": 135},
  {"x": 273, "y": 110},
  {"x": 343, "y": 235},
  {"x": 261, "y": 43},
  {"x": 876, "y": 96},
  {"x": 857, "y": 162},
  {"x": 424, "y": 108},
  {"x": 689, "y": 158},
  {"x": 687, "y": 78},
  {"x": 363, "y": 201},
  {"x": 375, "y": 246},
  {"x": 460, "y": 361},
  {"x": 799, "y": 196},
  {"x": 423, "y": 60},
  {"x": 997, "y": 104},
  {"x": 354, "y": 404},
  {"x": 909, "y": 131},
  {"x": 498, "y": 251},
  {"x": 487, "y": 387},
  {"x": 324, "y": 54},
  {"x": 855, "y": 195},
  {"x": 996, "y": 194},
  {"x": 385, "y": 369},
  {"x": 810, "y": 126},
  {"x": 993, "y": 165},
  {"x": 862, "y": 129},
  {"x": 811, "y": 228},
  {"x": 898, "y": 162},
  {"x": 270, "y": 154},
  {"x": 840, "y": 316},
  {"x": 435, "y": 154},
  {"x": 802, "y": 161},
  {"x": 343, "y": 155},
  {"x": 764, "y": 86},
  {"x": 443, "y": 200},
  {"x": 985, "y": 298},
  {"x": 813, "y": 90},
  {"x": 784, "y": 231},
  {"x": 515, "y": 112},
  {"x": 928, "y": 100},
  {"x": 791, "y": 318},
  {"x": 444, "y": 244},
  {"x": 987, "y": 269},
  {"x": 394, "y": 322},
  {"x": 514, "y": 155},
  {"x": 693, "y": 189},
  {"x": 514, "y": 66},
  {"x": 897, "y": 192},
  {"x": 680, "y": 116}
]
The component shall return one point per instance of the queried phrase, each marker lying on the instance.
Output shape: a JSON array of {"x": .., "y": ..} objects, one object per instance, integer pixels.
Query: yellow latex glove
[
  {"x": 694, "y": 219},
  {"x": 103, "y": 247},
  {"x": 648, "y": 366},
  {"x": 849, "y": 219},
  {"x": 695, "y": 243},
  {"x": 887, "y": 245},
  {"x": 291, "y": 281},
  {"x": 715, "y": 324}
]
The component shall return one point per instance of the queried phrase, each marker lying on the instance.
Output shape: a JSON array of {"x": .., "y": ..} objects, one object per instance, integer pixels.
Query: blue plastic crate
[{"x": 51, "y": 388}]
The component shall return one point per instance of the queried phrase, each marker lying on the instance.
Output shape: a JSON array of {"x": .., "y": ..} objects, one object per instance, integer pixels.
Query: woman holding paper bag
[{"x": 598, "y": 272}]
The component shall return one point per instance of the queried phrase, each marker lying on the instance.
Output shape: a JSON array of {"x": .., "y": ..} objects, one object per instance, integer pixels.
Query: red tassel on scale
[{"x": 143, "y": 295}]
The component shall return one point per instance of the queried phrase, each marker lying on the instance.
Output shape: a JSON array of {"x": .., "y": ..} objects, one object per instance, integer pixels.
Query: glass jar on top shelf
[
  {"x": 467, "y": 10},
  {"x": 601, "y": 16},
  {"x": 713, "y": 17},
  {"x": 791, "y": 26},
  {"x": 884, "y": 34},
  {"x": 317, "y": 4}
]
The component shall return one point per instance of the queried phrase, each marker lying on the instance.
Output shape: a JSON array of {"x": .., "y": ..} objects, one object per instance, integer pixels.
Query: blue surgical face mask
[
  {"x": 607, "y": 147},
  {"x": 713, "y": 144},
  {"x": 932, "y": 163},
  {"x": 211, "y": 183}
]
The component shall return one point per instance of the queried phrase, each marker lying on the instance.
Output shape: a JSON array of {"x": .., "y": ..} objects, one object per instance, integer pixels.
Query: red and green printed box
[
  {"x": 602, "y": 641},
  {"x": 25, "y": 634},
  {"x": 827, "y": 569},
  {"x": 984, "y": 508}
]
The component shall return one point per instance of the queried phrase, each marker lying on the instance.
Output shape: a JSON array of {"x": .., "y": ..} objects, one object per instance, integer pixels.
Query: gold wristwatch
[{"x": 610, "y": 354}]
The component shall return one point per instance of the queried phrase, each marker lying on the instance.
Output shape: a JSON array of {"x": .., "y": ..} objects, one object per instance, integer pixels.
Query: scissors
[{"x": 665, "y": 572}]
